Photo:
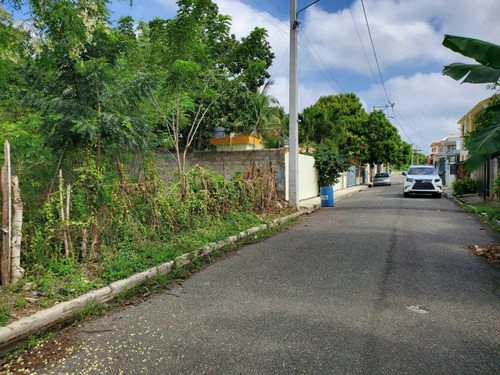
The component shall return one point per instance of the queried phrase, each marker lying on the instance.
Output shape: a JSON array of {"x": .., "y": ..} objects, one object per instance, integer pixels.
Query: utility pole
[{"x": 293, "y": 130}]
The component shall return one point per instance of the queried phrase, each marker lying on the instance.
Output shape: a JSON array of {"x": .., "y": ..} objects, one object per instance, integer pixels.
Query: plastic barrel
[
  {"x": 326, "y": 193},
  {"x": 218, "y": 132}
]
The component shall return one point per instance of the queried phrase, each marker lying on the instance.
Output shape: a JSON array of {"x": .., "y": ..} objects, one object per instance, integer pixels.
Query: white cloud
[
  {"x": 428, "y": 106},
  {"x": 402, "y": 31}
]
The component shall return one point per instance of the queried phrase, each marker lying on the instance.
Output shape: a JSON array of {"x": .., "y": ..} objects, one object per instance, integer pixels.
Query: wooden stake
[
  {"x": 17, "y": 271},
  {"x": 68, "y": 203},
  {"x": 63, "y": 216}
]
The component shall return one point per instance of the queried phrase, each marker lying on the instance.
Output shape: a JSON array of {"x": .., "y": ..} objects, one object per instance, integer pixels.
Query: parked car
[
  {"x": 422, "y": 179},
  {"x": 381, "y": 179}
]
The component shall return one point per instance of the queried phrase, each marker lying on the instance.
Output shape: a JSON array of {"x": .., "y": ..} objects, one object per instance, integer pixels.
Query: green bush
[
  {"x": 464, "y": 186},
  {"x": 331, "y": 164}
]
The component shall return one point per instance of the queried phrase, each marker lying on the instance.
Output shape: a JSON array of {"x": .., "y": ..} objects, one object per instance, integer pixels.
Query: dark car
[{"x": 381, "y": 179}]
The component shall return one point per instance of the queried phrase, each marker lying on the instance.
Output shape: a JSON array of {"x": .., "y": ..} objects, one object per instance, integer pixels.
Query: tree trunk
[
  {"x": 63, "y": 216},
  {"x": 17, "y": 271},
  {"x": 5, "y": 182},
  {"x": 68, "y": 203}
]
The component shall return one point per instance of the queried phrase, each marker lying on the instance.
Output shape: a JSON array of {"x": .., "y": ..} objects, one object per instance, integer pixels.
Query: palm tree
[{"x": 265, "y": 114}]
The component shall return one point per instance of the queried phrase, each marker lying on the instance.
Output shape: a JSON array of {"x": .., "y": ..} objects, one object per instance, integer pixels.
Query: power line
[
  {"x": 374, "y": 52},
  {"x": 364, "y": 50},
  {"x": 416, "y": 132},
  {"x": 324, "y": 65},
  {"x": 282, "y": 60},
  {"x": 402, "y": 129},
  {"x": 270, "y": 21}
]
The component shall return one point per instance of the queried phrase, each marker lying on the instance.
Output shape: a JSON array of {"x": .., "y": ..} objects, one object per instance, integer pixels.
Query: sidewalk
[{"x": 315, "y": 203}]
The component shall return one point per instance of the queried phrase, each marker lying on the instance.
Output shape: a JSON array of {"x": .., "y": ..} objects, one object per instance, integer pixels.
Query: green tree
[
  {"x": 486, "y": 142},
  {"x": 381, "y": 140},
  {"x": 328, "y": 120},
  {"x": 196, "y": 63},
  {"x": 265, "y": 114},
  {"x": 74, "y": 81}
]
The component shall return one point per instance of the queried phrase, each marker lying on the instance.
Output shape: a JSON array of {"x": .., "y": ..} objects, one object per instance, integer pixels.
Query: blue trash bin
[{"x": 326, "y": 193}]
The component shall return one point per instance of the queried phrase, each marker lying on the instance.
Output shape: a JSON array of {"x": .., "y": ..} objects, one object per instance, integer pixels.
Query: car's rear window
[
  {"x": 382, "y": 175},
  {"x": 422, "y": 170}
]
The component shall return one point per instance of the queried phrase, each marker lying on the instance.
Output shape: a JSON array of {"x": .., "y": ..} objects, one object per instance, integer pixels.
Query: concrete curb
[{"x": 66, "y": 311}]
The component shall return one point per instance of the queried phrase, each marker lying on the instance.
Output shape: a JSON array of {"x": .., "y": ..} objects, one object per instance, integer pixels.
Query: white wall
[{"x": 308, "y": 177}]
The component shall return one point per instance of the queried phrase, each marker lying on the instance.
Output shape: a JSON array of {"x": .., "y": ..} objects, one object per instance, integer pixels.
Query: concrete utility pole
[{"x": 293, "y": 127}]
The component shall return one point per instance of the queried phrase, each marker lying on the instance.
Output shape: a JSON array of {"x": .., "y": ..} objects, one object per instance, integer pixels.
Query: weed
[
  {"x": 5, "y": 311},
  {"x": 20, "y": 303},
  {"x": 488, "y": 211},
  {"x": 92, "y": 308}
]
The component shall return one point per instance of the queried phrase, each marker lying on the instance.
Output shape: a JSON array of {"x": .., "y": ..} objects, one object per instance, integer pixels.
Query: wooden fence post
[
  {"x": 5, "y": 182},
  {"x": 16, "y": 271}
]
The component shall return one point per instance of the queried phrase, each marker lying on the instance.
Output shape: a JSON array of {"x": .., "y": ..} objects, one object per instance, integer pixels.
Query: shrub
[
  {"x": 331, "y": 164},
  {"x": 464, "y": 186}
]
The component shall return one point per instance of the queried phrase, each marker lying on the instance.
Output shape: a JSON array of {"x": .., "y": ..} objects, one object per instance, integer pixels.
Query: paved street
[{"x": 379, "y": 284}]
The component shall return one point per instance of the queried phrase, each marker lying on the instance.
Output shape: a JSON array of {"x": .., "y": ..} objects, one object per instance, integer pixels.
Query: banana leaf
[
  {"x": 484, "y": 53},
  {"x": 473, "y": 73}
]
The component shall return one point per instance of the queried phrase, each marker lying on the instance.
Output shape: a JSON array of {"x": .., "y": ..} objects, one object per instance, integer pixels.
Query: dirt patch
[{"x": 44, "y": 353}]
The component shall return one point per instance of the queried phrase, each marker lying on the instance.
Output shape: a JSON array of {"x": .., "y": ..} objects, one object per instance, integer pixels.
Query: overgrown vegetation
[
  {"x": 88, "y": 106},
  {"x": 464, "y": 186},
  {"x": 119, "y": 226}
]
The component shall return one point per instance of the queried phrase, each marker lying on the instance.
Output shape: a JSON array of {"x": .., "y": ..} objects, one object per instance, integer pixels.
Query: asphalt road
[{"x": 379, "y": 284}]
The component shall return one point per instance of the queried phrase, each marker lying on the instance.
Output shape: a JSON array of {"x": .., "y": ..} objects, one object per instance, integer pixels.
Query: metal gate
[
  {"x": 441, "y": 167},
  {"x": 351, "y": 176}
]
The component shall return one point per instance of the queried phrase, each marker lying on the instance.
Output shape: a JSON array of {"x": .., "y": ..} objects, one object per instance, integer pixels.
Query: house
[
  {"x": 446, "y": 156},
  {"x": 452, "y": 155},
  {"x": 466, "y": 123},
  {"x": 436, "y": 153}
]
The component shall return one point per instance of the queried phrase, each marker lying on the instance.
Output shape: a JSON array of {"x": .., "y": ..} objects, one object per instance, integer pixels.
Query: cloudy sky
[{"x": 336, "y": 55}]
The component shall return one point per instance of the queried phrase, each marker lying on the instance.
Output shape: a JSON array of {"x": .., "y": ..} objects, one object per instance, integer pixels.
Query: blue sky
[{"x": 336, "y": 56}]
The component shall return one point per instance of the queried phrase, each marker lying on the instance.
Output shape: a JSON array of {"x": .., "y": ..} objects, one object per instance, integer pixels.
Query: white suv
[{"x": 422, "y": 179}]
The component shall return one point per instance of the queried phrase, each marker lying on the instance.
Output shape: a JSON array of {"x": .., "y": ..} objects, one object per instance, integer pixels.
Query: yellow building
[
  {"x": 466, "y": 123},
  {"x": 237, "y": 143}
]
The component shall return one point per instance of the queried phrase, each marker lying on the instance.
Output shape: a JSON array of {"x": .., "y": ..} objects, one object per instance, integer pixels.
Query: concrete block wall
[{"x": 227, "y": 163}]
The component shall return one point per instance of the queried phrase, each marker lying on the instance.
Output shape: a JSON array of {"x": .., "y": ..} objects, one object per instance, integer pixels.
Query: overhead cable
[
  {"x": 364, "y": 50},
  {"x": 374, "y": 52}
]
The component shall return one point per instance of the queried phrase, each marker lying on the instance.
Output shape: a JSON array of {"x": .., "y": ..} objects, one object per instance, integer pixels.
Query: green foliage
[
  {"x": 464, "y": 186},
  {"x": 485, "y": 143},
  {"x": 91, "y": 308},
  {"x": 78, "y": 95},
  {"x": 340, "y": 122},
  {"x": 496, "y": 188},
  {"x": 5, "y": 310},
  {"x": 486, "y": 54},
  {"x": 488, "y": 211},
  {"x": 330, "y": 163},
  {"x": 330, "y": 118}
]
